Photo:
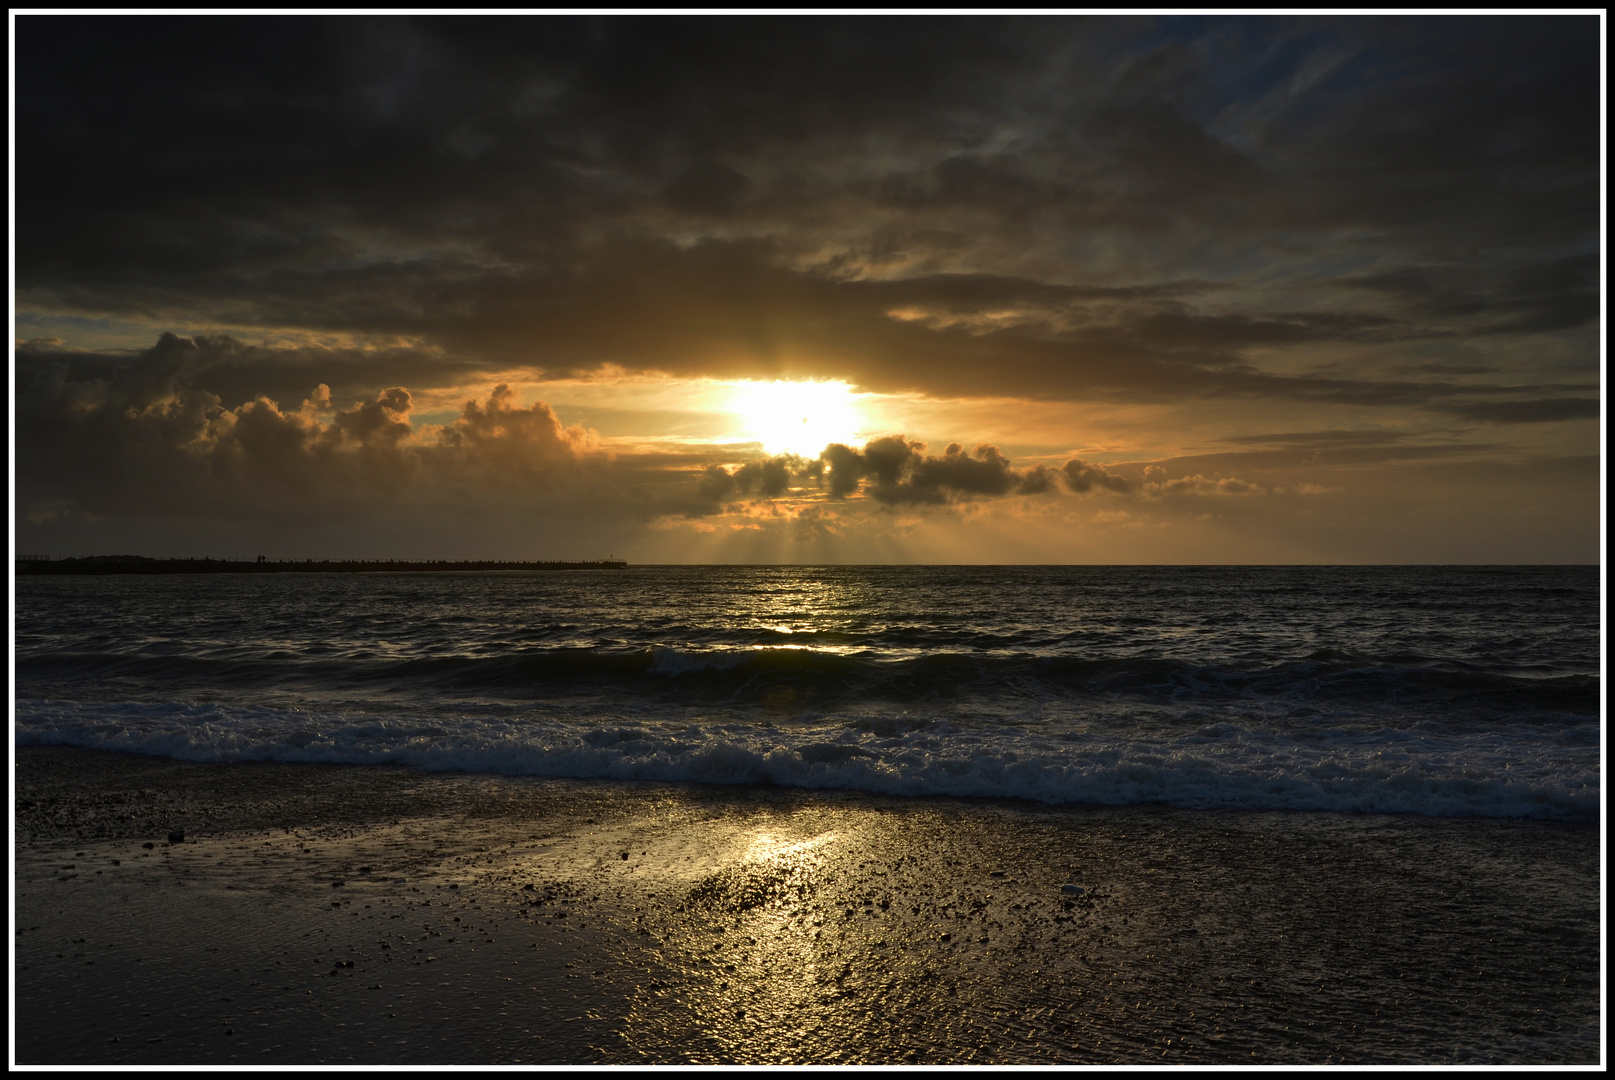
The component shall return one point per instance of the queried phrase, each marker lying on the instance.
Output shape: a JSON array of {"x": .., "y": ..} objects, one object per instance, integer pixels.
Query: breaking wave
[{"x": 1435, "y": 772}]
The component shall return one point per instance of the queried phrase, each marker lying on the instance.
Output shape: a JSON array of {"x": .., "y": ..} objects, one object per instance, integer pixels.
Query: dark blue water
[{"x": 1431, "y": 690}]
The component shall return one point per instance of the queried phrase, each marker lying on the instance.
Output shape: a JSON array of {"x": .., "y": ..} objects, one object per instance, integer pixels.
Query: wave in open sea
[
  {"x": 750, "y": 675},
  {"x": 1438, "y": 691}
]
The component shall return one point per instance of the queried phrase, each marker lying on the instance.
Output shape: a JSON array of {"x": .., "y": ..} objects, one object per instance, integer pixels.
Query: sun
[{"x": 797, "y": 417}]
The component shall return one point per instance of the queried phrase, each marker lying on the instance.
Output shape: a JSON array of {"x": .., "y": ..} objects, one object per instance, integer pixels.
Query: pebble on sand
[
  {"x": 176, "y": 836},
  {"x": 1073, "y": 890}
]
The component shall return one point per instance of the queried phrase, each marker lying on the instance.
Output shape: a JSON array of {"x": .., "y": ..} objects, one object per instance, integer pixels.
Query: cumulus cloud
[
  {"x": 506, "y": 442},
  {"x": 146, "y": 438},
  {"x": 313, "y": 450},
  {"x": 1083, "y": 477},
  {"x": 770, "y": 477},
  {"x": 891, "y": 471},
  {"x": 900, "y": 471}
]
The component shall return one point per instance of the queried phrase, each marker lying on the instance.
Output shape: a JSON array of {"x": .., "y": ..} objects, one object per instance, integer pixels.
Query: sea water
[{"x": 1445, "y": 691}]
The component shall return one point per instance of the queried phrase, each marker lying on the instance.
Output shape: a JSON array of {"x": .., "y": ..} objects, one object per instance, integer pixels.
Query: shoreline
[{"x": 631, "y": 923}]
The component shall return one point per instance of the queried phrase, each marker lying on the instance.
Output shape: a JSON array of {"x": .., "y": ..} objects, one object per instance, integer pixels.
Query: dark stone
[{"x": 176, "y": 836}]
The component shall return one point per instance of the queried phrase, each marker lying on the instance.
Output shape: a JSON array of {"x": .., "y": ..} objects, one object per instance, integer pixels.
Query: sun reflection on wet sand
[
  {"x": 769, "y": 848},
  {"x": 750, "y": 941},
  {"x": 529, "y": 921}
]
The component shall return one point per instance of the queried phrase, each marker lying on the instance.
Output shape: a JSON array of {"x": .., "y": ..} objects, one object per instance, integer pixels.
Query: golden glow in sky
[{"x": 797, "y": 417}]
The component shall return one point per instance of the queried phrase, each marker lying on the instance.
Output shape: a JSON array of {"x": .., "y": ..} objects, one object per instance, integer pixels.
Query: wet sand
[{"x": 341, "y": 914}]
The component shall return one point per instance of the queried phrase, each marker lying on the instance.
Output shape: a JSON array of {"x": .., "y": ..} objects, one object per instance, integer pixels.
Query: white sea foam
[{"x": 1516, "y": 772}]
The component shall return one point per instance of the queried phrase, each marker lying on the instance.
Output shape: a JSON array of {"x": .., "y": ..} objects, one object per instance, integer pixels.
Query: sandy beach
[{"x": 342, "y": 914}]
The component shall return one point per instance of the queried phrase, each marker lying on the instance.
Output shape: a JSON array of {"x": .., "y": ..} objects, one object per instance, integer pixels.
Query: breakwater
[{"x": 139, "y": 564}]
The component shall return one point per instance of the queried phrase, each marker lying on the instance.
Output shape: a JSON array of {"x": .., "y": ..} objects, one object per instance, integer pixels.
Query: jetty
[{"x": 140, "y": 564}]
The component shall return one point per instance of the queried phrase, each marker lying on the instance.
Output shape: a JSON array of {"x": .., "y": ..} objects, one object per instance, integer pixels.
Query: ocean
[{"x": 1436, "y": 691}]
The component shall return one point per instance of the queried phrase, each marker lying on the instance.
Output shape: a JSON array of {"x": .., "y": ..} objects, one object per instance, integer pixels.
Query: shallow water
[{"x": 1445, "y": 691}]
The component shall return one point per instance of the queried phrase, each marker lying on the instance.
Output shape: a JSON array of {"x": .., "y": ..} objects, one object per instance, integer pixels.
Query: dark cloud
[
  {"x": 717, "y": 487},
  {"x": 725, "y": 309},
  {"x": 712, "y": 490},
  {"x": 1281, "y": 458},
  {"x": 1083, "y": 477},
  {"x": 1542, "y": 411},
  {"x": 1313, "y": 440},
  {"x": 771, "y": 477},
  {"x": 844, "y": 469},
  {"x": 237, "y": 371},
  {"x": 1388, "y": 218},
  {"x": 532, "y": 191},
  {"x": 1554, "y": 294},
  {"x": 708, "y": 188},
  {"x": 1152, "y": 482},
  {"x": 899, "y": 471}
]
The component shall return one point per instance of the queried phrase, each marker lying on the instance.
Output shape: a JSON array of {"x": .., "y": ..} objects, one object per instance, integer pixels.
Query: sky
[{"x": 834, "y": 289}]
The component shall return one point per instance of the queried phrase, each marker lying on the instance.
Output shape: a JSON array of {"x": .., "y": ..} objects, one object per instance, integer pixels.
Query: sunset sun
[{"x": 797, "y": 417}]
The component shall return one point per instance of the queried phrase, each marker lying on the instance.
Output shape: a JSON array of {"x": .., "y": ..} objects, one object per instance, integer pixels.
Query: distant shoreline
[{"x": 138, "y": 564}]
